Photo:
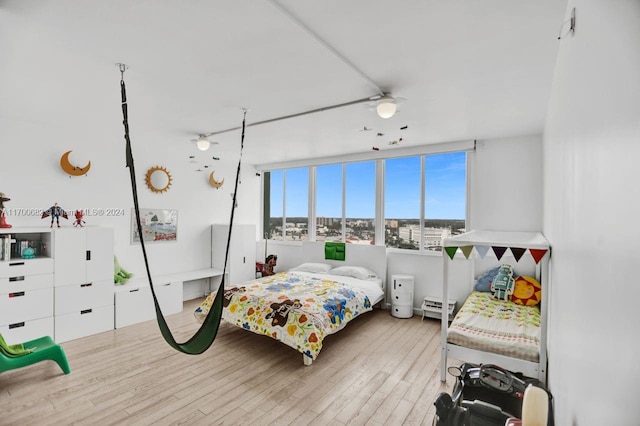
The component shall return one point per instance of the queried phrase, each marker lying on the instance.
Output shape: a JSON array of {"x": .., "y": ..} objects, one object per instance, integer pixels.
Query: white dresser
[{"x": 26, "y": 286}]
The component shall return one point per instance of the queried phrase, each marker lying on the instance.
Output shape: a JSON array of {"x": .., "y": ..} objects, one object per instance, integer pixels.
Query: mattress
[
  {"x": 298, "y": 309},
  {"x": 502, "y": 327}
]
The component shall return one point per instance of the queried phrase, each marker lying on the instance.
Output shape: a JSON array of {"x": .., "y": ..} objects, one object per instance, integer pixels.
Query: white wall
[
  {"x": 591, "y": 207},
  {"x": 31, "y": 176},
  {"x": 506, "y": 184}
]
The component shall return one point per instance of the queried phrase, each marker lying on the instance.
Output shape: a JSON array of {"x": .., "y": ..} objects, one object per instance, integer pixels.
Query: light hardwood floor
[{"x": 379, "y": 370}]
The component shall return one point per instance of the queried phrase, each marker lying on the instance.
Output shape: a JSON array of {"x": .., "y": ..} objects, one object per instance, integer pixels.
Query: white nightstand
[{"x": 402, "y": 296}]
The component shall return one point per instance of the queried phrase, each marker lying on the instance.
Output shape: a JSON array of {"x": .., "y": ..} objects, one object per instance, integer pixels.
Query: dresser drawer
[
  {"x": 20, "y": 267},
  {"x": 134, "y": 304},
  {"x": 25, "y": 282},
  {"x": 26, "y": 305},
  {"x": 83, "y": 323},
  {"x": 71, "y": 298},
  {"x": 23, "y": 331},
  {"x": 402, "y": 298}
]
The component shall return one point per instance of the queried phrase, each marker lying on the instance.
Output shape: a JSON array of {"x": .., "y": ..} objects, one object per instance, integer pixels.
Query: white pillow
[
  {"x": 355, "y": 272},
  {"x": 316, "y": 268}
]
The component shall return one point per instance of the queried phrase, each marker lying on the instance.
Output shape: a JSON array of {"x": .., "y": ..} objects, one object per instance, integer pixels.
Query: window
[
  {"x": 329, "y": 203},
  {"x": 360, "y": 202},
  {"x": 286, "y": 204},
  {"x": 296, "y": 204},
  {"x": 417, "y": 219},
  {"x": 424, "y": 201},
  {"x": 402, "y": 203}
]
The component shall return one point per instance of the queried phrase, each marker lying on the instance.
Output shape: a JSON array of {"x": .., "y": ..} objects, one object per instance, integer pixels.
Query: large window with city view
[
  {"x": 420, "y": 217},
  {"x": 424, "y": 201},
  {"x": 286, "y": 198}
]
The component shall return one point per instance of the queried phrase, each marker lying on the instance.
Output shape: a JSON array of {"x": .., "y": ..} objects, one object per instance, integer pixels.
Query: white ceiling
[{"x": 470, "y": 69}]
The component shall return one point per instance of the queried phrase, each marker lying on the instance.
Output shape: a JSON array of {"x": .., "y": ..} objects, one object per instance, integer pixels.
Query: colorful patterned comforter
[
  {"x": 299, "y": 310},
  {"x": 503, "y": 327}
]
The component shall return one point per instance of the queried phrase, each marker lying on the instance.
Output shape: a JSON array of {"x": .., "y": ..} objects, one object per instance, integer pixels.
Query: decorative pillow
[
  {"x": 483, "y": 283},
  {"x": 316, "y": 268},
  {"x": 527, "y": 291},
  {"x": 355, "y": 272},
  {"x": 502, "y": 284}
]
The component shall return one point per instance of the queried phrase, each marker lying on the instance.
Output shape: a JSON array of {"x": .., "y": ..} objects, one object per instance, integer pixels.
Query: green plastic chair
[{"x": 31, "y": 352}]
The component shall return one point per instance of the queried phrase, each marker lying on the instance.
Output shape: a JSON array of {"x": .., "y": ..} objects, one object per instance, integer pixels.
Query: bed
[
  {"x": 304, "y": 305},
  {"x": 489, "y": 330}
]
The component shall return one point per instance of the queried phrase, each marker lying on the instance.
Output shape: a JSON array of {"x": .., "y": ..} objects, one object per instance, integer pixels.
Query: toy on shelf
[
  {"x": 120, "y": 276},
  {"x": 55, "y": 212},
  {"x": 3, "y": 220},
  {"x": 79, "y": 218}
]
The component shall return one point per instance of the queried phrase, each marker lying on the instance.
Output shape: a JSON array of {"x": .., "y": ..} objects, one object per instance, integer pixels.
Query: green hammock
[{"x": 206, "y": 334}]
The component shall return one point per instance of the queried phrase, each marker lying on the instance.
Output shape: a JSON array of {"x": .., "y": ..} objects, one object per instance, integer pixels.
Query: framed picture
[{"x": 158, "y": 225}]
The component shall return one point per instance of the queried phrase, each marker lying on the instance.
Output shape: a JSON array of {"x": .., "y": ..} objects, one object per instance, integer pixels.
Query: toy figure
[
  {"x": 269, "y": 264},
  {"x": 55, "y": 212},
  {"x": 120, "y": 275},
  {"x": 79, "y": 221},
  {"x": 3, "y": 220},
  {"x": 502, "y": 285}
]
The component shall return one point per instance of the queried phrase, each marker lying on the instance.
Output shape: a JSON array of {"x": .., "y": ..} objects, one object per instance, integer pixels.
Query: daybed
[
  {"x": 302, "y": 306},
  {"x": 487, "y": 330}
]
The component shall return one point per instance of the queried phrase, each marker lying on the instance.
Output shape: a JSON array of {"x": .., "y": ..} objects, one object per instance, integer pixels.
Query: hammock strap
[{"x": 206, "y": 334}]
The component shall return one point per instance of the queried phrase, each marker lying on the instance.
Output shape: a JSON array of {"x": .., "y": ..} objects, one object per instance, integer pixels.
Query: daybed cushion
[
  {"x": 526, "y": 291},
  {"x": 483, "y": 283}
]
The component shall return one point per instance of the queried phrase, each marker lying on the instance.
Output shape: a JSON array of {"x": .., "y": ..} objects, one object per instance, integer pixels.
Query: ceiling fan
[
  {"x": 203, "y": 143},
  {"x": 385, "y": 105}
]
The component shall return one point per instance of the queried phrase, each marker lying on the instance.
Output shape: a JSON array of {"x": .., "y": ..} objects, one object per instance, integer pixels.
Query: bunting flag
[
  {"x": 517, "y": 252},
  {"x": 537, "y": 254},
  {"x": 451, "y": 251},
  {"x": 499, "y": 251},
  {"x": 482, "y": 251},
  {"x": 466, "y": 250}
]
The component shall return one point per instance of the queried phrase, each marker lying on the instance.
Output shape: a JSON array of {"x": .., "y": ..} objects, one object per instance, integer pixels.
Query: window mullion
[
  {"x": 344, "y": 202},
  {"x": 423, "y": 163}
]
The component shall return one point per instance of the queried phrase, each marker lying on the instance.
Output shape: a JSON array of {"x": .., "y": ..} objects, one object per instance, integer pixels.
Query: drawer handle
[
  {"x": 166, "y": 285},
  {"x": 16, "y": 294},
  {"x": 17, "y": 264},
  {"x": 135, "y": 289},
  {"x": 12, "y": 279},
  {"x": 86, "y": 285},
  {"x": 86, "y": 311},
  {"x": 16, "y": 325}
]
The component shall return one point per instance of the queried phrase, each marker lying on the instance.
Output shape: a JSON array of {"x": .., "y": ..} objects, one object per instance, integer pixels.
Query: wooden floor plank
[{"x": 377, "y": 370}]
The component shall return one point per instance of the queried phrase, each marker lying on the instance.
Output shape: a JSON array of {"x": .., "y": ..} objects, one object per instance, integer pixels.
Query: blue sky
[{"x": 445, "y": 183}]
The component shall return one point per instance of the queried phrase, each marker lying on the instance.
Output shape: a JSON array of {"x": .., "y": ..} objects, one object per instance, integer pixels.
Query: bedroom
[{"x": 586, "y": 127}]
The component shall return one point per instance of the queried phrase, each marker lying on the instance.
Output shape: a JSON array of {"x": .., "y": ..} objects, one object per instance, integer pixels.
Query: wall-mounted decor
[
  {"x": 158, "y": 179},
  {"x": 216, "y": 184},
  {"x": 70, "y": 169},
  {"x": 157, "y": 225}
]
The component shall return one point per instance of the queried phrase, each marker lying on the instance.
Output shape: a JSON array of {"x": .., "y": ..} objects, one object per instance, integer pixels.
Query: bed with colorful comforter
[
  {"x": 298, "y": 309},
  {"x": 492, "y": 325}
]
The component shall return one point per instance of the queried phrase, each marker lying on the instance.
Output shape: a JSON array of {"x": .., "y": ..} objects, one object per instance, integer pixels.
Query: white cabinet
[
  {"x": 83, "y": 282},
  {"x": 134, "y": 301},
  {"x": 402, "y": 296},
  {"x": 242, "y": 252},
  {"x": 26, "y": 285}
]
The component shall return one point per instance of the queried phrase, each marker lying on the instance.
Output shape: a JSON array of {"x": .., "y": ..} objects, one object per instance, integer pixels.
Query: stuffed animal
[
  {"x": 120, "y": 276},
  {"x": 502, "y": 285}
]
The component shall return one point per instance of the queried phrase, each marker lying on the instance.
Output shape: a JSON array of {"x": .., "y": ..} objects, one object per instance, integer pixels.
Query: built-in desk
[{"x": 134, "y": 301}]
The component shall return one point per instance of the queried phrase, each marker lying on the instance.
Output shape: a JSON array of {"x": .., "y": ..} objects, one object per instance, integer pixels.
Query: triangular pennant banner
[
  {"x": 538, "y": 254},
  {"x": 466, "y": 250},
  {"x": 451, "y": 251},
  {"x": 482, "y": 251},
  {"x": 517, "y": 252},
  {"x": 499, "y": 251}
]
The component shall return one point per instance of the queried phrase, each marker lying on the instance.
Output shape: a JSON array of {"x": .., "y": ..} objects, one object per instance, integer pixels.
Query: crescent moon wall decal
[
  {"x": 70, "y": 169},
  {"x": 216, "y": 184}
]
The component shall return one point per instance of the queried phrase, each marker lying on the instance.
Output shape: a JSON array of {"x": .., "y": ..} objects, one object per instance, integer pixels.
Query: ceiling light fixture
[
  {"x": 386, "y": 107},
  {"x": 202, "y": 143}
]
